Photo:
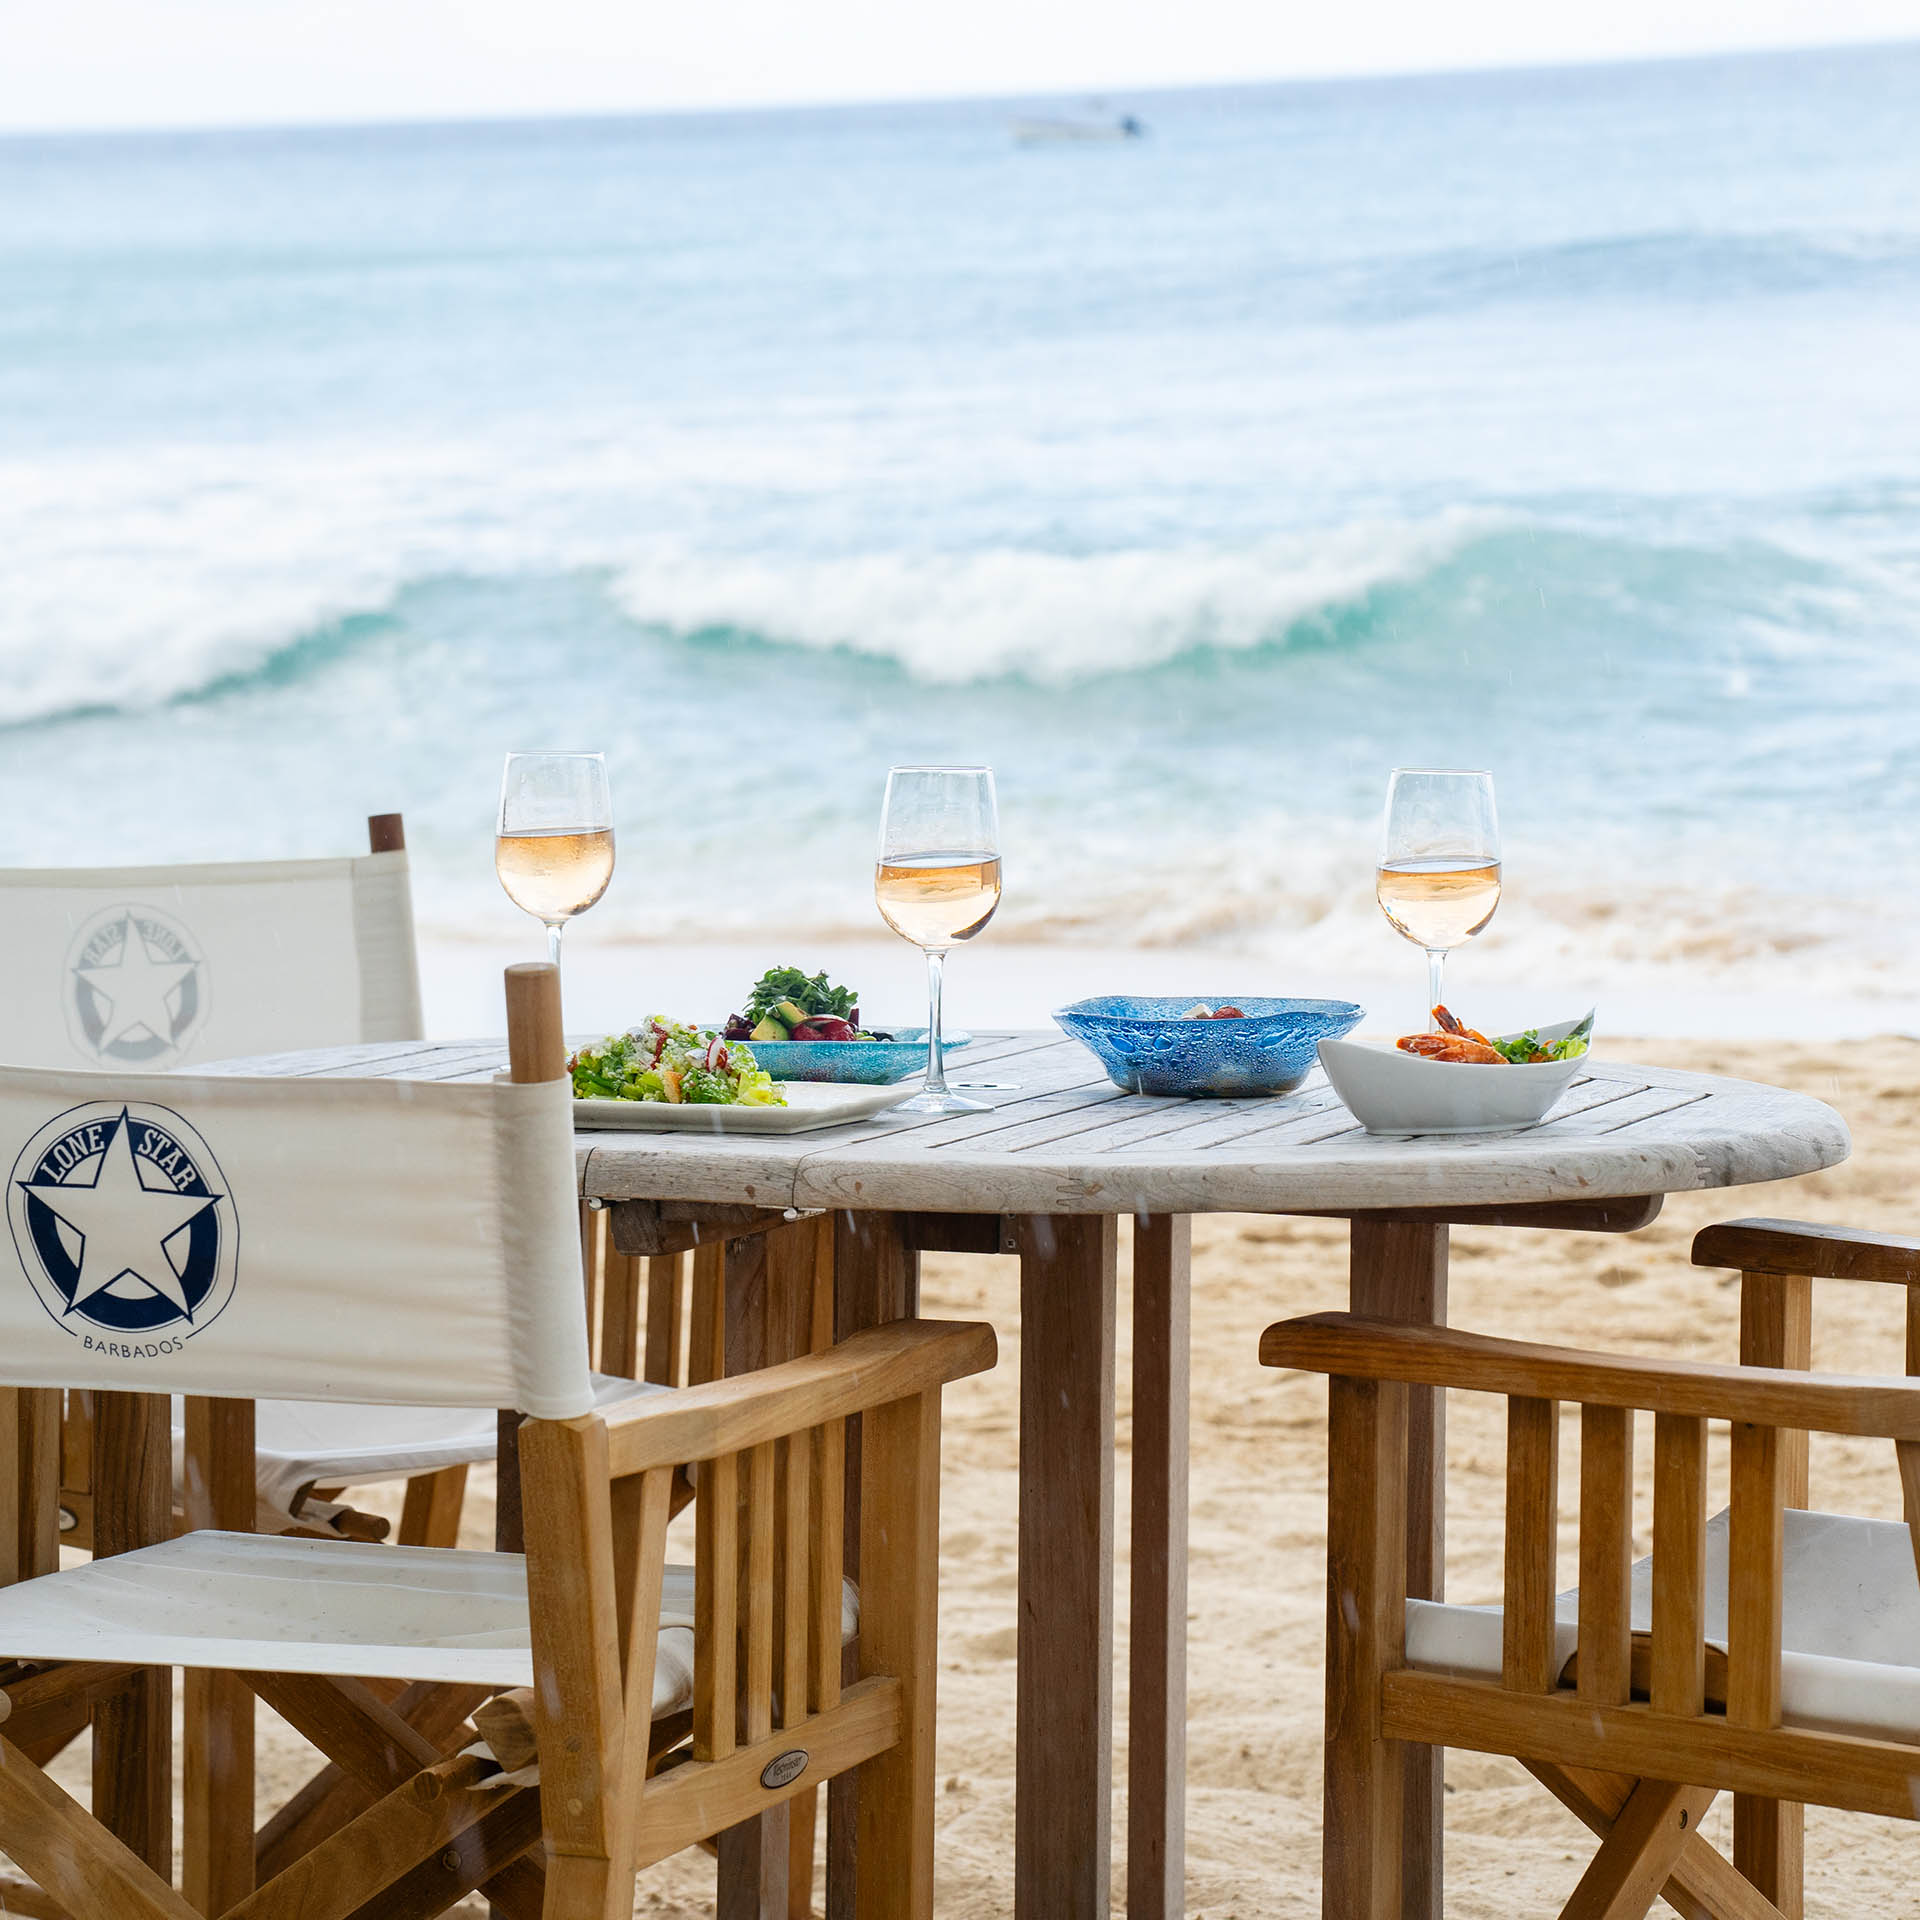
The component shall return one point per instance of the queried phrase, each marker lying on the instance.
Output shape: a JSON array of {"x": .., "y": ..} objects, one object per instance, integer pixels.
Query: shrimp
[{"x": 1462, "y": 1048}]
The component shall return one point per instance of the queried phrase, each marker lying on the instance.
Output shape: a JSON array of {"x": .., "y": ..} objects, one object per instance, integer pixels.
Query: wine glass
[
  {"x": 554, "y": 855},
  {"x": 1439, "y": 876},
  {"x": 937, "y": 882}
]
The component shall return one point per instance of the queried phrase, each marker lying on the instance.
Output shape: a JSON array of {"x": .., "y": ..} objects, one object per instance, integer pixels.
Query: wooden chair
[
  {"x": 255, "y": 957},
  {"x": 1763, "y": 1652},
  {"x": 665, "y": 1706},
  {"x": 1778, "y": 1261}
]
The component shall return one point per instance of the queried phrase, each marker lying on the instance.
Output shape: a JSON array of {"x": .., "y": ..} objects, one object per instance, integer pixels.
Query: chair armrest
[
  {"x": 870, "y": 1369},
  {"x": 1796, "y": 1247},
  {"x": 1360, "y": 1349}
]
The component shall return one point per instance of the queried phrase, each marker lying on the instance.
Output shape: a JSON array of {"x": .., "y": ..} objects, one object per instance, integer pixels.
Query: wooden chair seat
[
  {"x": 1850, "y": 1644},
  {"x": 245, "y": 1602}
]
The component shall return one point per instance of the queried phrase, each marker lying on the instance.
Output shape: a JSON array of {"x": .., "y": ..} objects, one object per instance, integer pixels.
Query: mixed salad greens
[
  {"x": 667, "y": 1061},
  {"x": 1529, "y": 1050},
  {"x": 786, "y": 1004}
]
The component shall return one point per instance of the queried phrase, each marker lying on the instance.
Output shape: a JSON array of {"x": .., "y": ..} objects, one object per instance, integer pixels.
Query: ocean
[{"x": 1565, "y": 423}]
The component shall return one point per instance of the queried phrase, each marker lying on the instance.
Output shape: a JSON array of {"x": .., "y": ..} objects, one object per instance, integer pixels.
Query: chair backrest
[
  {"x": 1372, "y": 1364},
  {"x": 147, "y": 968},
  {"x": 770, "y": 1715},
  {"x": 362, "y": 1240}
]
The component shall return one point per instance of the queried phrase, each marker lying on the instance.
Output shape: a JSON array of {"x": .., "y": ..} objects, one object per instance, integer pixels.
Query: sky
[{"x": 134, "y": 63}]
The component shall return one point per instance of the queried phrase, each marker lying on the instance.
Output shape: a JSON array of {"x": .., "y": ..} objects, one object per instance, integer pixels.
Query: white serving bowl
[{"x": 1388, "y": 1091}]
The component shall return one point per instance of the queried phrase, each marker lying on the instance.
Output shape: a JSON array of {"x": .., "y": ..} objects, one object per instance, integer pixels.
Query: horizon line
[{"x": 728, "y": 109}]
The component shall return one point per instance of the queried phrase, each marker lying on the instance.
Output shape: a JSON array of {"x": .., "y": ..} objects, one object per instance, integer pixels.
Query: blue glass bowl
[
  {"x": 1146, "y": 1047},
  {"x": 870, "y": 1063}
]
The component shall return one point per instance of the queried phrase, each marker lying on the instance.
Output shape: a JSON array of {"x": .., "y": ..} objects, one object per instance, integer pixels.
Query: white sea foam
[
  {"x": 127, "y": 581},
  {"x": 1049, "y": 617}
]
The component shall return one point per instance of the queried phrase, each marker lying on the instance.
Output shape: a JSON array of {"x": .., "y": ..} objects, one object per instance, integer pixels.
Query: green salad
[
  {"x": 1529, "y": 1050},
  {"x": 673, "y": 1063}
]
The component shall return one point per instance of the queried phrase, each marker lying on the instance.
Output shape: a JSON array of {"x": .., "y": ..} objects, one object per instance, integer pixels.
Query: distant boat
[{"x": 1092, "y": 126}]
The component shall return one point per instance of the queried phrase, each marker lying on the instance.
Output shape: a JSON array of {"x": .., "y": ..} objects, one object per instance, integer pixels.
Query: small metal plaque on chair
[{"x": 784, "y": 1768}]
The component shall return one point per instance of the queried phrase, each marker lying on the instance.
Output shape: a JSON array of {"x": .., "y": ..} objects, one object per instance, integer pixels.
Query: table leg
[
  {"x": 133, "y": 1729},
  {"x": 1064, "y": 1716},
  {"x": 1399, "y": 1272},
  {"x": 1157, "y": 1621},
  {"x": 876, "y": 1278}
]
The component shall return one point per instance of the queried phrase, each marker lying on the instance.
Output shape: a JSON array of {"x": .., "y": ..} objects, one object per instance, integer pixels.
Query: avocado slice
[
  {"x": 767, "y": 1028},
  {"x": 790, "y": 1013}
]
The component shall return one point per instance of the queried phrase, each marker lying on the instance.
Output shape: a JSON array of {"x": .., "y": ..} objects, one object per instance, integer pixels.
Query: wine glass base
[{"x": 942, "y": 1101}]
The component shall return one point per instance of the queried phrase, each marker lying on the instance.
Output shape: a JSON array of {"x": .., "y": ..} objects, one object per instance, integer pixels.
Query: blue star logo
[{"x": 123, "y": 1224}]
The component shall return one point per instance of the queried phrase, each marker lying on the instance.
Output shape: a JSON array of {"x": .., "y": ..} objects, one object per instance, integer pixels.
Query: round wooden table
[{"x": 1046, "y": 1176}]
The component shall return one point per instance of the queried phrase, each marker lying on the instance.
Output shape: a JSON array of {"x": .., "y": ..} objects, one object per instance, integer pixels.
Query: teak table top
[{"x": 1066, "y": 1140}]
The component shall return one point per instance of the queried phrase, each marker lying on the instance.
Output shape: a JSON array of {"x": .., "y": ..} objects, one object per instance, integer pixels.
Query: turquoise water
[{"x": 1566, "y": 423}]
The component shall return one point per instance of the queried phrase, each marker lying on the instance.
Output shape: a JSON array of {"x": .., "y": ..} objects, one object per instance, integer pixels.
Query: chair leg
[
  {"x": 1769, "y": 1844},
  {"x": 1366, "y": 1624},
  {"x": 425, "y": 1845},
  {"x": 430, "y": 1516},
  {"x": 751, "y": 1878},
  {"x": 1625, "y": 1877},
  {"x": 217, "y": 1791},
  {"x": 333, "y": 1796},
  {"x": 216, "y": 1849},
  {"x": 900, "y": 1570},
  {"x": 803, "y": 1816},
  {"x": 1702, "y": 1885},
  {"x": 87, "y": 1869},
  {"x": 584, "y": 1887},
  {"x": 133, "y": 1729},
  {"x": 22, "y": 1900},
  {"x": 1776, "y": 1330}
]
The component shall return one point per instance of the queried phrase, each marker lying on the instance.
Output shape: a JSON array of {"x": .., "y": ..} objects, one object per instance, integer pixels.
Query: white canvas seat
[
  {"x": 301, "y": 1444},
  {"x": 1850, "y": 1652},
  {"x": 245, "y": 1602}
]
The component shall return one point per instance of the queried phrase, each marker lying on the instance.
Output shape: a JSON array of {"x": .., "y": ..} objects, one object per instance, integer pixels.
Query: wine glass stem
[
  {"x": 936, "y": 1057},
  {"x": 1436, "y": 966},
  {"x": 554, "y": 930}
]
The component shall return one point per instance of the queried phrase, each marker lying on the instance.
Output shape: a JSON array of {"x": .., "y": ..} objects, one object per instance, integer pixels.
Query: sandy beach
[{"x": 1259, "y": 1518}]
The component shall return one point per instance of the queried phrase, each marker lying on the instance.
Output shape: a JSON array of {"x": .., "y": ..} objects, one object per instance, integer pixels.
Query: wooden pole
[
  {"x": 537, "y": 1050},
  {"x": 536, "y": 1040}
]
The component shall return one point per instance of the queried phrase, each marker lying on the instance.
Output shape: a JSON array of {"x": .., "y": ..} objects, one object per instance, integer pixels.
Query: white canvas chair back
[
  {"x": 356, "y": 1240},
  {"x": 147, "y": 968}
]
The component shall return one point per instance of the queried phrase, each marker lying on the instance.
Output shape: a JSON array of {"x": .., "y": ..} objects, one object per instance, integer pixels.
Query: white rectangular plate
[{"x": 810, "y": 1104}]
